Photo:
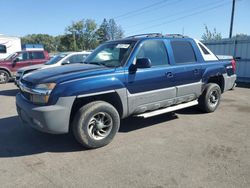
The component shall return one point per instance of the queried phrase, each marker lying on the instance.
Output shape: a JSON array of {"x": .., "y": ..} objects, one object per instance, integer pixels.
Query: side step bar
[{"x": 168, "y": 109}]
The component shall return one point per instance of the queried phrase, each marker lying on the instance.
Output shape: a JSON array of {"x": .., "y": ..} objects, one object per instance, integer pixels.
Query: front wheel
[
  {"x": 210, "y": 99},
  {"x": 96, "y": 124},
  {"x": 4, "y": 77}
]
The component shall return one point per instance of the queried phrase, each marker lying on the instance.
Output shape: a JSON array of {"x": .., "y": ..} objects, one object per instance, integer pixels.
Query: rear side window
[
  {"x": 37, "y": 55},
  {"x": 3, "y": 49},
  {"x": 183, "y": 52},
  {"x": 155, "y": 50},
  {"x": 203, "y": 49}
]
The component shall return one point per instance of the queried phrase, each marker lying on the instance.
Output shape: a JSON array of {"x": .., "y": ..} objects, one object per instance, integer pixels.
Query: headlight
[
  {"x": 41, "y": 93},
  {"x": 46, "y": 86}
]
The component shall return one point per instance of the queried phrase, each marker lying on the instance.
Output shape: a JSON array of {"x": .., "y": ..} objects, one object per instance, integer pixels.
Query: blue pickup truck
[{"x": 142, "y": 75}]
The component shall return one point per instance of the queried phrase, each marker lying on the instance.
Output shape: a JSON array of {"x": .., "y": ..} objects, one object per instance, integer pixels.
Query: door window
[
  {"x": 22, "y": 56},
  {"x": 183, "y": 52},
  {"x": 154, "y": 50}
]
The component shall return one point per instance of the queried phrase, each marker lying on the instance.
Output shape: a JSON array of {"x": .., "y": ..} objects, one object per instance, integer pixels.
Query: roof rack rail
[
  {"x": 175, "y": 36},
  {"x": 146, "y": 35}
]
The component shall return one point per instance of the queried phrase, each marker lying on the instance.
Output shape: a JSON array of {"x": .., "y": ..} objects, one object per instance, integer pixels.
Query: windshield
[
  {"x": 112, "y": 54},
  {"x": 11, "y": 56},
  {"x": 55, "y": 59}
]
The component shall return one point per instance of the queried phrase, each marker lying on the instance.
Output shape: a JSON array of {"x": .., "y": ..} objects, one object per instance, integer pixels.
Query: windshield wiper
[{"x": 96, "y": 63}]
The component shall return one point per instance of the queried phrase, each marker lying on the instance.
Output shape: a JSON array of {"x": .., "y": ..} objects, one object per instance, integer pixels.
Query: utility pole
[{"x": 232, "y": 20}]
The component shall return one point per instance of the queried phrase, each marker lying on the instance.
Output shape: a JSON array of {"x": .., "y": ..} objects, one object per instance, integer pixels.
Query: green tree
[
  {"x": 47, "y": 41},
  {"x": 109, "y": 30},
  {"x": 90, "y": 37},
  {"x": 211, "y": 35},
  {"x": 75, "y": 32},
  {"x": 241, "y": 36},
  {"x": 102, "y": 32},
  {"x": 114, "y": 31},
  {"x": 81, "y": 35}
]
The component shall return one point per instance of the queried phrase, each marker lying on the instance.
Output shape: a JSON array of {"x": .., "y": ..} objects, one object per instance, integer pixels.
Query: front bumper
[{"x": 51, "y": 119}]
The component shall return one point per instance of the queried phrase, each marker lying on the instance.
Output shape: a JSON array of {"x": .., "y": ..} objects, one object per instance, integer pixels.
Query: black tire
[
  {"x": 4, "y": 77},
  {"x": 210, "y": 98},
  {"x": 83, "y": 126}
]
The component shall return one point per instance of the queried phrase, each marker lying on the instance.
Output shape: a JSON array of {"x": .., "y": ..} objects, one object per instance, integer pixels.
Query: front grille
[
  {"x": 27, "y": 83},
  {"x": 25, "y": 95}
]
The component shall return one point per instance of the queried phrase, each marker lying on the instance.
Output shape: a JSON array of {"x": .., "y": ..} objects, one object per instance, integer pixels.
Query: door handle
[
  {"x": 169, "y": 74},
  {"x": 196, "y": 71}
]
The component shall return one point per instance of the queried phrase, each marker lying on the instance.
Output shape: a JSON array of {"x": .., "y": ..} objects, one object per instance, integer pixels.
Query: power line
[
  {"x": 172, "y": 15},
  {"x": 149, "y": 9},
  {"x": 140, "y": 9},
  {"x": 182, "y": 17}
]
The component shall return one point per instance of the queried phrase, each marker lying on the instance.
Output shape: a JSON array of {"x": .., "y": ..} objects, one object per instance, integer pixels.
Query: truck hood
[
  {"x": 2, "y": 61},
  {"x": 65, "y": 73},
  {"x": 32, "y": 67}
]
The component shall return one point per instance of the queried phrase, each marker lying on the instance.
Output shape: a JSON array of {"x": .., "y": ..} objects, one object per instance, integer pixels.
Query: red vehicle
[{"x": 17, "y": 60}]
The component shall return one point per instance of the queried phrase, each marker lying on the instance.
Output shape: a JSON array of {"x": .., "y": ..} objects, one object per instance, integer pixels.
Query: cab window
[
  {"x": 183, "y": 52},
  {"x": 154, "y": 50}
]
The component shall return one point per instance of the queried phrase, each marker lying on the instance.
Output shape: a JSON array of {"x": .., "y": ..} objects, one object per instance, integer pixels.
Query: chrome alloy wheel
[
  {"x": 3, "y": 77},
  {"x": 213, "y": 98},
  {"x": 100, "y": 125}
]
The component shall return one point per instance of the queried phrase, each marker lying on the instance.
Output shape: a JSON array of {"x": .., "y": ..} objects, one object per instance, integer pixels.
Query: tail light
[{"x": 233, "y": 62}]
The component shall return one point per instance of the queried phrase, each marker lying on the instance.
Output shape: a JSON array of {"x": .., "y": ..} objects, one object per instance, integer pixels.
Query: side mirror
[
  {"x": 143, "y": 63},
  {"x": 15, "y": 61},
  {"x": 66, "y": 62},
  {"x": 140, "y": 63}
]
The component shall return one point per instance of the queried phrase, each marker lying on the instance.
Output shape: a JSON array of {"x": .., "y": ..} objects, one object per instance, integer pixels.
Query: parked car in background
[
  {"x": 142, "y": 75},
  {"x": 63, "y": 58},
  {"x": 17, "y": 60}
]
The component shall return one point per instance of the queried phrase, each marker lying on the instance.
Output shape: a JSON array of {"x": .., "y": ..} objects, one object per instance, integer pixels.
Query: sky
[{"x": 188, "y": 17}]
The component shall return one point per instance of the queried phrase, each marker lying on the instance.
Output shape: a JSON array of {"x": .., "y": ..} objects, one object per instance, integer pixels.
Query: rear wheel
[
  {"x": 4, "y": 77},
  {"x": 210, "y": 99},
  {"x": 96, "y": 124}
]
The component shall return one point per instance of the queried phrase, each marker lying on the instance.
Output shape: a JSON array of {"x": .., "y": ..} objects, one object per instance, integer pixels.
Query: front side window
[
  {"x": 112, "y": 54},
  {"x": 22, "y": 56},
  {"x": 3, "y": 49},
  {"x": 154, "y": 50},
  {"x": 183, "y": 52}
]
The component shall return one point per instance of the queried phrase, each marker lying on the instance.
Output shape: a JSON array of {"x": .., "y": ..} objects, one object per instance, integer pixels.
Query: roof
[
  {"x": 149, "y": 35},
  {"x": 157, "y": 35}
]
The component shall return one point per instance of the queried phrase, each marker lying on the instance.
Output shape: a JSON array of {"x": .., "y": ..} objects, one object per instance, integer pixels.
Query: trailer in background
[{"x": 9, "y": 45}]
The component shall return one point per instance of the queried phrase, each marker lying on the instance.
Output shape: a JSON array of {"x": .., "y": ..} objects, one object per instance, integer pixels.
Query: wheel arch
[
  {"x": 7, "y": 70},
  {"x": 115, "y": 98},
  {"x": 219, "y": 79}
]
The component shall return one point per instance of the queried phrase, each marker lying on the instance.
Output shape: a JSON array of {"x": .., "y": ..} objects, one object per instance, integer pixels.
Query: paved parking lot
[{"x": 183, "y": 149}]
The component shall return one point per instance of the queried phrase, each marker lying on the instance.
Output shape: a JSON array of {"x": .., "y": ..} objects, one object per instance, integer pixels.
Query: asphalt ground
[{"x": 182, "y": 149}]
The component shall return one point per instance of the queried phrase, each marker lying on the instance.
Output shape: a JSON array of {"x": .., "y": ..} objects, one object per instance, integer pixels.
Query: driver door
[
  {"x": 21, "y": 60},
  {"x": 151, "y": 88}
]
